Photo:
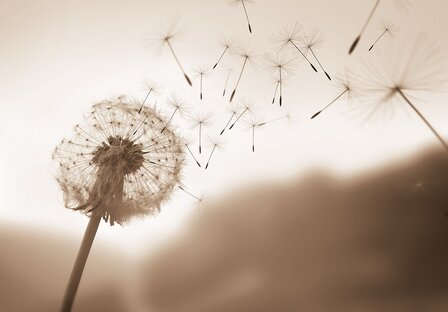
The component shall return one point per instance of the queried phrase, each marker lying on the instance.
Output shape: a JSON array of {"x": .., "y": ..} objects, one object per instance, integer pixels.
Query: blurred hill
[{"x": 376, "y": 242}]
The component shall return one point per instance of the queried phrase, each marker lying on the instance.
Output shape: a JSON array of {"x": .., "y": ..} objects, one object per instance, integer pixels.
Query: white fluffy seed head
[{"x": 119, "y": 164}]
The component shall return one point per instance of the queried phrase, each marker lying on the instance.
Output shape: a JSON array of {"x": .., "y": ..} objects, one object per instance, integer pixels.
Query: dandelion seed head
[{"x": 118, "y": 164}]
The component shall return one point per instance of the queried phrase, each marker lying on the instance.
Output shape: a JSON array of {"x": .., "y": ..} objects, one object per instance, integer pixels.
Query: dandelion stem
[
  {"x": 192, "y": 155},
  {"x": 275, "y": 92},
  {"x": 231, "y": 117},
  {"x": 438, "y": 136},
  {"x": 227, "y": 81},
  {"x": 320, "y": 65},
  {"x": 384, "y": 32},
  {"x": 239, "y": 78},
  {"x": 304, "y": 56},
  {"x": 247, "y": 16},
  {"x": 200, "y": 87},
  {"x": 222, "y": 55},
  {"x": 281, "y": 85},
  {"x": 200, "y": 137},
  {"x": 209, "y": 157},
  {"x": 253, "y": 138},
  {"x": 169, "y": 120},
  {"x": 78, "y": 268},
  {"x": 329, "y": 104},
  {"x": 178, "y": 62},
  {"x": 238, "y": 118},
  {"x": 144, "y": 101},
  {"x": 356, "y": 41}
]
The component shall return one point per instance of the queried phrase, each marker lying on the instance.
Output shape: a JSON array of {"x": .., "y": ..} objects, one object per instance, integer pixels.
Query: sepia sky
[{"x": 57, "y": 58}]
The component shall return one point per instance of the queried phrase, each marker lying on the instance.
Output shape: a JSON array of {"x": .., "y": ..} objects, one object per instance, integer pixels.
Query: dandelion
[
  {"x": 407, "y": 70},
  {"x": 216, "y": 144},
  {"x": 247, "y": 56},
  {"x": 178, "y": 104},
  {"x": 116, "y": 167},
  {"x": 387, "y": 28},
  {"x": 346, "y": 86},
  {"x": 292, "y": 37},
  {"x": 227, "y": 46},
  {"x": 201, "y": 73},
  {"x": 166, "y": 36},
  {"x": 280, "y": 64},
  {"x": 247, "y": 108},
  {"x": 243, "y": 4},
  {"x": 233, "y": 109},
  {"x": 227, "y": 81},
  {"x": 201, "y": 121},
  {"x": 313, "y": 42}
]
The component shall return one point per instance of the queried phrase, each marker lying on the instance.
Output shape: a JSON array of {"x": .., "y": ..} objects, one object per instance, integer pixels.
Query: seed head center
[{"x": 120, "y": 155}]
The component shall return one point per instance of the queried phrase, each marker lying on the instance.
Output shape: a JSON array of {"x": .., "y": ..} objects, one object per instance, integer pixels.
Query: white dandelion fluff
[{"x": 118, "y": 164}]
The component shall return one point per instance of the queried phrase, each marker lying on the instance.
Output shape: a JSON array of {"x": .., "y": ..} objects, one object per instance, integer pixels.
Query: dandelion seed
[
  {"x": 247, "y": 108},
  {"x": 227, "y": 81},
  {"x": 227, "y": 46},
  {"x": 407, "y": 68},
  {"x": 313, "y": 42},
  {"x": 280, "y": 64},
  {"x": 253, "y": 123},
  {"x": 387, "y": 28},
  {"x": 263, "y": 123},
  {"x": 109, "y": 170},
  {"x": 247, "y": 56},
  {"x": 166, "y": 36},
  {"x": 201, "y": 73},
  {"x": 201, "y": 121},
  {"x": 178, "y": 104},
  {"x": 151, "y": 87},
  {"x": 233, "y": 109},
  {"x": 184, "y": 189},
  {"x": 216, "y": 144},
  {"x": 356, "y": 41},
  {"x": 347, "y": 89},
  {"x": 292, "y": 37},
  {"x": 243, "y": 3},
  {"x": 192, "y": 155}
]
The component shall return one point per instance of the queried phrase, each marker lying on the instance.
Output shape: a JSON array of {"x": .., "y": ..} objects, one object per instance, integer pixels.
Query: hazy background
[{"x": 59, "y": 57}]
